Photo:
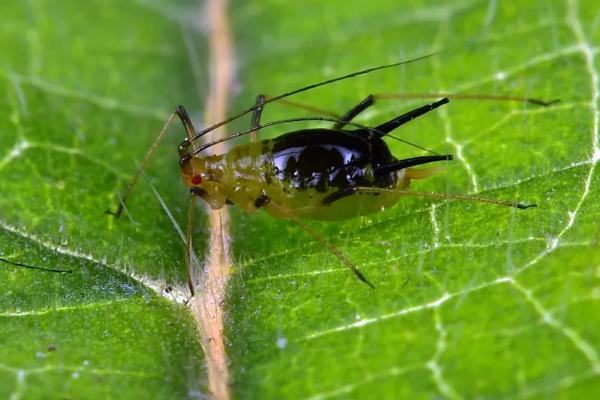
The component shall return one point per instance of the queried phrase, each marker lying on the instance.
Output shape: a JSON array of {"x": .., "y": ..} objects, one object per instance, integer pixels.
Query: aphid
[{"x": 332, "y": 173}]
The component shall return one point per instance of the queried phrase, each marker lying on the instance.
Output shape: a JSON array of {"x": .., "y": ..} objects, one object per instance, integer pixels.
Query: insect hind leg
[
  {"x": 335, "y": 196},
  {"x": 188, "y": 251}
]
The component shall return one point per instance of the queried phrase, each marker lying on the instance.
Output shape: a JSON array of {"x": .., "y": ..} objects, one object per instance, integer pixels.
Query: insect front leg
[
  {"x": 142, "y": 166},
  {"x": 188, "y": 243},
  {"x": 183, "y": 150}
]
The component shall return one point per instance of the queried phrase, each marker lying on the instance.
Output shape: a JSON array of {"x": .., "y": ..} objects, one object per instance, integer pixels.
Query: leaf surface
[
  {"x": 471, "y": 300},
  {"x": 85, "y": 86}
]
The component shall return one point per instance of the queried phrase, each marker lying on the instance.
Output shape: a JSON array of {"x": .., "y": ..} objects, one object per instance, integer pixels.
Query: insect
[{"x": 332, "y": 173}]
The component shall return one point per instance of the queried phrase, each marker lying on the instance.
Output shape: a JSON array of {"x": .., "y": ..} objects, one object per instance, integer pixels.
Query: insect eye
[{"x": 196, "y": 180}]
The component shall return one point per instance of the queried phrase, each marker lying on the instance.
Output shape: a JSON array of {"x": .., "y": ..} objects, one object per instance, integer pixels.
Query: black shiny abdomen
[{"x": 327, "y": 158}]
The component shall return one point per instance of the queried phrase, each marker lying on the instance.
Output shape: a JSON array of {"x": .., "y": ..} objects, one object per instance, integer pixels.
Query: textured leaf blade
[
  {"x": 85, "y": 87},
  {"x": 471, "y": 300}
]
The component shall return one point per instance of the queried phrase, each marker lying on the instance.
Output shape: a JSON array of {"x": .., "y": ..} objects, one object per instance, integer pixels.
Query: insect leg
[
  {"x": 260, "y": 102},
  {"x": 188, "y": 243},
  {"x": 264, "y": 201},
  {"x": 409, "y": 116},
  {"x": 185, "y": 120},
  {"x": 259, "y": 105},
  {"x": 340, "y": 194}
]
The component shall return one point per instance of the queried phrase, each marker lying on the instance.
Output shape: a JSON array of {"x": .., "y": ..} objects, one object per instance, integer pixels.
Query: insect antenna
[
  {"x": 18, "y": 264},
  {"x": 305, "y": 88},
  {"x": 374, "y": 131},
  {"x": 190, "y": 255}
]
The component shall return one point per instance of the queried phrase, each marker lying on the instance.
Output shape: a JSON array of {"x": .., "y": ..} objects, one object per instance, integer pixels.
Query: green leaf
[
  {"x": 84, "y": 87},
  {"x": 471, "y": 301}
]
